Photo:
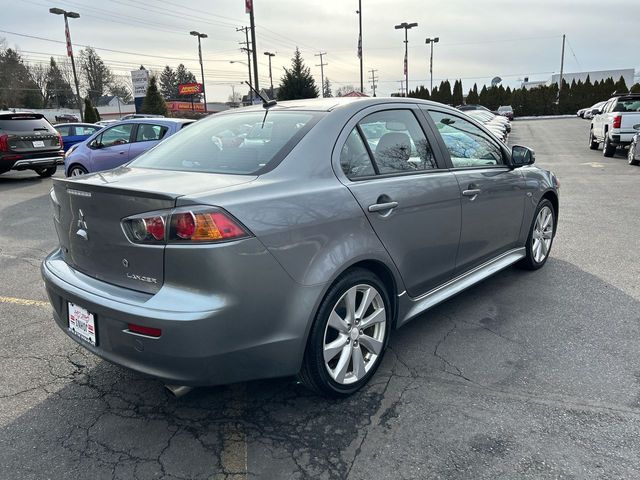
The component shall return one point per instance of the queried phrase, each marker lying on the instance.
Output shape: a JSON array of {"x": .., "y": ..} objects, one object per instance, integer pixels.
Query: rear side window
[
  {"x": 147, "y": 132},
  {"x": 354, "y": 158},
  {"x": 240, "y": 143},
  {"x": 82, "y": 130},
  {"x": 25, "y": 124},
  {"x": 468, "y": 145},
  {"x": 397, "y": 142},
  {"x": 65, "y": 130}
]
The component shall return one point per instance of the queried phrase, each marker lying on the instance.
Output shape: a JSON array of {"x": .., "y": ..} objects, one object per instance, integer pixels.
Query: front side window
[
  {"x": 118, "y": 135},
  {"x": 147, "y": 132},
  {"x": 468, "y": 145},
  {"x": 397, "y": 142}
]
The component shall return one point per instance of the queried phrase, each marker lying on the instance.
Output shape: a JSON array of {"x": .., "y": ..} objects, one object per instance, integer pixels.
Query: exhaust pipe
[{"x": 178, "y": 390}]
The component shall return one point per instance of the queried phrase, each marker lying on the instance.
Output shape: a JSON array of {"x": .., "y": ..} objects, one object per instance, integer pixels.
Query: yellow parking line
[{"x": 23, "y": 301}]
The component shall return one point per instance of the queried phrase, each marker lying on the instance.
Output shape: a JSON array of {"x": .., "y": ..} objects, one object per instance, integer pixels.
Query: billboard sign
[
  {"x": 139, "y": 79},
  {"x": 189, "y": 88}
]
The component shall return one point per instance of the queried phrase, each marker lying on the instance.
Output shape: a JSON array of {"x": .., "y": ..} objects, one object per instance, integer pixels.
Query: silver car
[{"x": 209, "y": 260}]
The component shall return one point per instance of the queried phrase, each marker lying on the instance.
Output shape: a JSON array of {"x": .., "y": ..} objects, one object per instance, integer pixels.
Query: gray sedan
[{"x": 213, "y": 259}]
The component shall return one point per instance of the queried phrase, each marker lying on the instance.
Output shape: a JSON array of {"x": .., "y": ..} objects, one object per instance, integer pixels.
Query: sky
[{"x": 479, "y": 39}]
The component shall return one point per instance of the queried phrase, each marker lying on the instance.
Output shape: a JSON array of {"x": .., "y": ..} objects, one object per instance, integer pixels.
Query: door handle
[
  {"x": 472, "y": 192},
  {"x": 380, "y": 207}
]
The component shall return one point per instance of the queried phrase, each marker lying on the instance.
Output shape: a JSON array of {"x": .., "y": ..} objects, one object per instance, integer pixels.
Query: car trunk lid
[{"x": 88, "y": 214}]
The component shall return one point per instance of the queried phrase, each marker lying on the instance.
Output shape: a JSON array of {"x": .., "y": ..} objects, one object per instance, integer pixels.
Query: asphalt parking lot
[{"x": 527, "y": 375}]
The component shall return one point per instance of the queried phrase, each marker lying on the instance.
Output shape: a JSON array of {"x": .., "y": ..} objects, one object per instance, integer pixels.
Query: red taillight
[
  {"x": 617, "y": 121},
  {"x": 4, "y": 143},
  {"x": 185, "y": 225},
  {"x": 146, "y": 229},
  {"x": 148, "y": 331},
  {"x": 205, "y": 226},
  {"x": 198, "y": 224},
  {"x": 60, "y": 141}
]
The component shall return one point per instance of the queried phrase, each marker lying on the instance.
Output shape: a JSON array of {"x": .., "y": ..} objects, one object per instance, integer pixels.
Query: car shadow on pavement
[{"x": 508, "y": 379}]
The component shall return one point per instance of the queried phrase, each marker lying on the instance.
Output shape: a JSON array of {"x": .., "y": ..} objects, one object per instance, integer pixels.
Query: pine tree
[
  {"x": 457, "y": 93},
  {"x": 472, "y": 98},
  {"x": 327, "y": 88},
  {"x": 89, "y": 111},
  {"x": 153, "y": 102},
  {"x": 446, "y": 96},
  {"x": 60, "y": 93},
  {"x": 297, "y": 82},
  {"x": 635, "y": 88},
  {"x": 169, "y": 83},
  {"x": 621, "y": 86}
]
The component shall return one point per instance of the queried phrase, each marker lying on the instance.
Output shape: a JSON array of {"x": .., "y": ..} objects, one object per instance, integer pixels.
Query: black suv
[{"x": 29, "y": 142}]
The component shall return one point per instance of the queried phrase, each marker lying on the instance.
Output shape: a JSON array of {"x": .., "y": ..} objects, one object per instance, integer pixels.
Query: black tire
[
  {"x": 529, "y": 262},
  {"x": 75, "y": 167},
  {"x": 593, "y": 143},
  {"x": 314, "y": 373},
  {"x": 608, "y": 150},
  {"x": 46, "y": 172}
]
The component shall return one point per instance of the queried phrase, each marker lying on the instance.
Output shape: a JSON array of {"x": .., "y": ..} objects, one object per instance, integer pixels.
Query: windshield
[
  {"x": 505, "y": 109},
  {"x": 239, "y": 143}
]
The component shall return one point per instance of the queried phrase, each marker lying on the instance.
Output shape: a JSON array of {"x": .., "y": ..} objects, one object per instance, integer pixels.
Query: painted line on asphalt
[
  {"x": 24, "y": 301},
  {"x": 234, "y": 439}
]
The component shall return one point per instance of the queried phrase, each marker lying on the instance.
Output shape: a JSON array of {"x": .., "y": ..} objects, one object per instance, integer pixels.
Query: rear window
[
  {"x": 239, "y": 143},
  {"x": 627, "y": 105},
  {"x": 24, "y": 124}
]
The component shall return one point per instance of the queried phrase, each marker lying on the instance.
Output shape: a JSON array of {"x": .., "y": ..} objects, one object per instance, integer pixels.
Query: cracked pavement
[{"x": 527, "y": 375}]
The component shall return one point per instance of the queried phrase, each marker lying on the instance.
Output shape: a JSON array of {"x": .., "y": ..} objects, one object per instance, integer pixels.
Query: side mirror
[
  {"x": 596, "y": 111},
  {"x": 521, "y": 156}
]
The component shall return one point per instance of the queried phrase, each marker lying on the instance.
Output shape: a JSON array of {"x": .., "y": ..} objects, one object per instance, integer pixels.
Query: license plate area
[
  {"x": 38, "y": 144},
  {"x": 82, "y": 323}
]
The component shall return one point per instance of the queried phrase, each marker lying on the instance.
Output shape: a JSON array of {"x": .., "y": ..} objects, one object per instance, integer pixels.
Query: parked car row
[
  {"x": 616, "y": 126},
  {"x": 499, "y": 125},
  {"x": 590, "y": 111}
]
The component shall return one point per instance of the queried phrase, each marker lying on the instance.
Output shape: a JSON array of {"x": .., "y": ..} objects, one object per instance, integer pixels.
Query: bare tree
[{"x": 96, "y": 75}]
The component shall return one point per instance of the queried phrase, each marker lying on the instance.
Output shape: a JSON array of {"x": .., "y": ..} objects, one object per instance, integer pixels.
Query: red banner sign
[
  {"x": 183, "y": 106},
  {"x": 189, "y": 88}
]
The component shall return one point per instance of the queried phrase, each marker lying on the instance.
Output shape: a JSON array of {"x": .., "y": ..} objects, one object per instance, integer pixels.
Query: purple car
[{"x": 119, "y": 143}]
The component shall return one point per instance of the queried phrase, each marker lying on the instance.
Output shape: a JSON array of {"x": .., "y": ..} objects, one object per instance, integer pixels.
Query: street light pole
[
  {"x": 406, "y": 27},
  {"x": 359, "y": 12},
  {"x": 431, "y": 41},
  {"x": 204, "y": 90},
  {"x": 269, "y": 54},
  {"x": 59, "y": 11}
]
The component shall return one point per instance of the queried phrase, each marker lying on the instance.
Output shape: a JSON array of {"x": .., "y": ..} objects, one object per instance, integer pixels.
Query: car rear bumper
[
  {"x": 248, "y": 336},
  {"x": 26, "y": 162}
]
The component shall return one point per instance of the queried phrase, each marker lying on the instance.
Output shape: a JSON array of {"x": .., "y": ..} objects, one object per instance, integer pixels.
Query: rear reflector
[{"x": 148, "y": 331}]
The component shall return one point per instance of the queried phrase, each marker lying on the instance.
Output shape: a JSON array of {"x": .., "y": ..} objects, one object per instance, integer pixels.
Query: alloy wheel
[
  {"x": 76, "y": 172},
  {"x": 542, "y": 234},
  {"x": 354, "y": 335}
]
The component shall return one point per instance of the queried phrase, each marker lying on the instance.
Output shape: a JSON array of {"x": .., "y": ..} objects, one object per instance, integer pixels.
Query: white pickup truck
[{"x": 613, "y": 126}]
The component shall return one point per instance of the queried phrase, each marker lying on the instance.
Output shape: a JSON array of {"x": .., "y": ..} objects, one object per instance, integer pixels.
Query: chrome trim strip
[
  {"x": 462, "y": 282},
  {"x": 36, "y": 161}
]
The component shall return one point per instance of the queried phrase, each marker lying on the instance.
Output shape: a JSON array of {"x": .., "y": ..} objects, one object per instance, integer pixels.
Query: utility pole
[
  {"x": 249, "y": 51},
  {"x": 59, "y": 11},
  {"x": 561, "y": 67},
  {"x": 374, "y": 85},
  {"x": 431, "y": 41},
  {"x": 359, "y": 12},
  {"x": 406, "y": 27},
  {"x": 204, "y": 90},
  {"x": 270, "y": 75},
  {"x": 321, "y": 65},
  {"x": 249, "y": 10}
]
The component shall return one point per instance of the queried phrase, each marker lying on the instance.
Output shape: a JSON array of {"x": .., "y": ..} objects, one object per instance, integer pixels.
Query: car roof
[
  {"x": 335, "y": 103},
  {"x": 154, "y": 121},
  {"x": 76, "y": 124}
]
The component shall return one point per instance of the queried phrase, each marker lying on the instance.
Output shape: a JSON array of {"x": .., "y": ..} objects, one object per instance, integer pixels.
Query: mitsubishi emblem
[{"x": 82, "y": 226}]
